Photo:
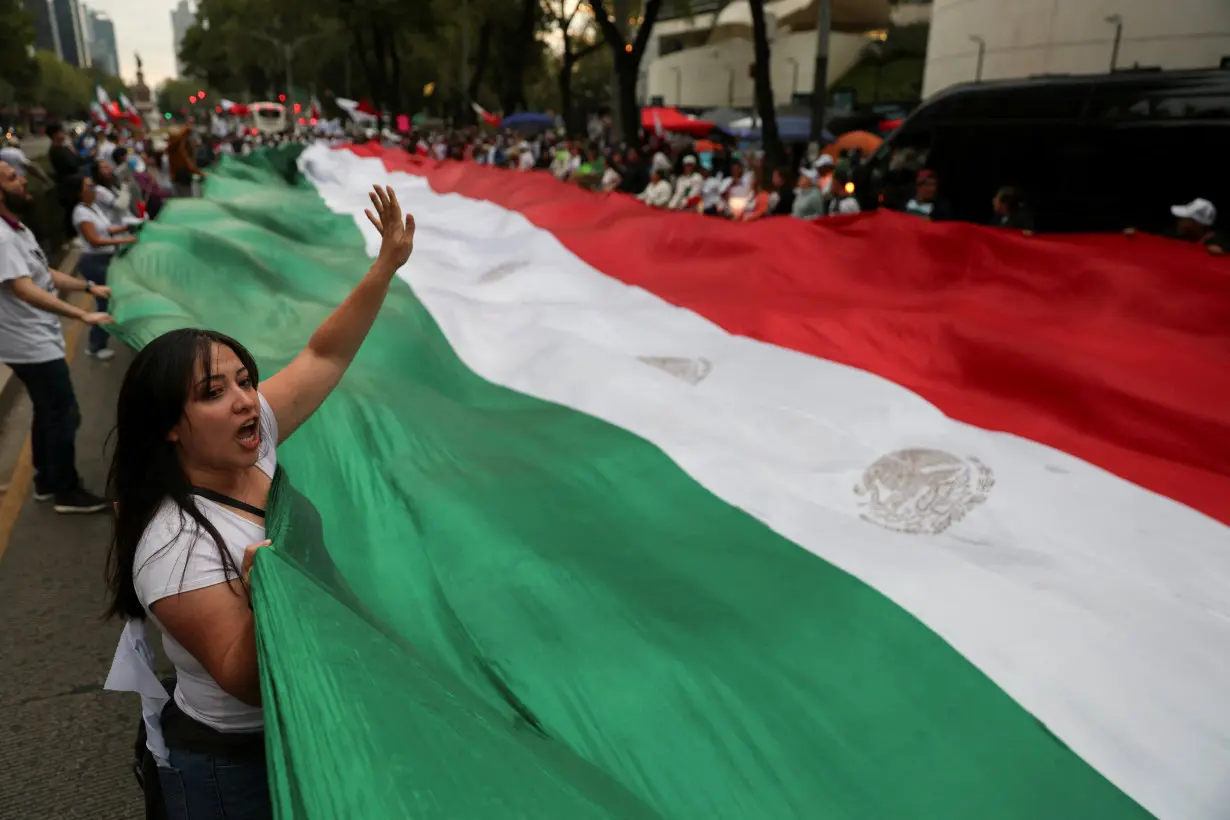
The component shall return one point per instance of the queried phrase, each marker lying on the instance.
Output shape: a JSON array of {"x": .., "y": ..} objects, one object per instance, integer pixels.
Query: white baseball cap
[
  {"x": 689, "y": 160},
  {"x": 824, "y": 161},
  {"x": 1198, "y": 210}
]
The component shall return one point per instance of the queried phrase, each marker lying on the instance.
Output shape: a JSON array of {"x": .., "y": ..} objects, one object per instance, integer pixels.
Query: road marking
[{"x": 23, "y": 474}]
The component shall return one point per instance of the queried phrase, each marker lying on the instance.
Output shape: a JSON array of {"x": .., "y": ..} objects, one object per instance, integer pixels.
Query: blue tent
[
  {"x": 528, "y": 121},
  {"x": 790, "y": 128}
]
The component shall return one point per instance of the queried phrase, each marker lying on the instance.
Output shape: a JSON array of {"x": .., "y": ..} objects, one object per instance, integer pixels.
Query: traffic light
[
  {"x": 298, "y": 108},
  {"x": 167, "y": 116},
  {"x": 217, "y": 109},
  {"x": 192, "y": 99},
  {"x": 281, "y": 98},
  {"x": 301, "y": 122},
  {"x": 201, "y": 94}
]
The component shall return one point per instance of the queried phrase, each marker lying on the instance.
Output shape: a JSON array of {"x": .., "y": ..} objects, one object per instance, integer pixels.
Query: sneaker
[
  {"x": 102, "y": 355},
  {"x": 43, "y": 496},
  {"x": 80, "y": 501}
]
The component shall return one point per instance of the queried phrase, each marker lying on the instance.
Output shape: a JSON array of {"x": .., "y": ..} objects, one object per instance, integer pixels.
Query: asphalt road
[{"x": 65, "y": 744}]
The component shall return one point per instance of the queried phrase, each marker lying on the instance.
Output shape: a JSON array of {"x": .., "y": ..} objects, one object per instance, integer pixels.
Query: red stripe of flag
[{"x": 1115, "y": 350}]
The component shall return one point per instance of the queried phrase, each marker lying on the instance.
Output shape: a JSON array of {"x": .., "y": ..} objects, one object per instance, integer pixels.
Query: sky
[{"x": 143, "y": 26}]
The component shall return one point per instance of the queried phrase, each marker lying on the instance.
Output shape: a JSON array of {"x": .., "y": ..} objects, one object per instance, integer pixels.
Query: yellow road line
[{"x": 23, "y": 474}]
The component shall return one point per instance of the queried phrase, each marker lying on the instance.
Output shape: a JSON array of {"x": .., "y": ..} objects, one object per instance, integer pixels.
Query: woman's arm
[
  {"x": 114, "y": 229},
  {"x": 217, "y": 628},
  {"x": 296, "y": 391},
  {"x": 90, "y": 234}
]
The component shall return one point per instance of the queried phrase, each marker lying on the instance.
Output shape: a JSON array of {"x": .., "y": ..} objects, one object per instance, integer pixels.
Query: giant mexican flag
[{"x": 624, "y": 514}]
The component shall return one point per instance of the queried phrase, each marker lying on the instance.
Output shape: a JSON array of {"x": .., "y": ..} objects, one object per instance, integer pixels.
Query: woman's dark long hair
[
  {"x": 145, "y": 470},
  {"x": 73, "y": 186}
]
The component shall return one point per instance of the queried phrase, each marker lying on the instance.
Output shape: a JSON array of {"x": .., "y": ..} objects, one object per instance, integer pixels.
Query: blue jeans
[
  {"x": 208, "y": 787},
  {"x": 93, "y": 267}
]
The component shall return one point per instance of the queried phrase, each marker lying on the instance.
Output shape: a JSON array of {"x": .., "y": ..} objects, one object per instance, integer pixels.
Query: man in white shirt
[
  {"x": 688, "y": 186},
  {"x": 32, "y": 345},
  {"x": 658, "y": 193},
  {"x": 711, "y": 192},
  {"x": 526, "y": 160}
]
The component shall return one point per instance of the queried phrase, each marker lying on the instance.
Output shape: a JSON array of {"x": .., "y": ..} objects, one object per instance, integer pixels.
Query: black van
[{"x": 1089, "y": 153}]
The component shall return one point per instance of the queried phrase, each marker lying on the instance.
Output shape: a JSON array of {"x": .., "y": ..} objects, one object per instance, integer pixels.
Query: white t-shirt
[
  {"x": 28, "y": 335},
  {"x": 175, "y": 555},
  {"x": 95, "y": 215}
]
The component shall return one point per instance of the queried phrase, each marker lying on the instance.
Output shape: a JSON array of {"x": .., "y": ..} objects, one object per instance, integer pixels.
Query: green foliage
[
  {"x": 62, "y": 89},
  {"x": 18, "y": 71}
]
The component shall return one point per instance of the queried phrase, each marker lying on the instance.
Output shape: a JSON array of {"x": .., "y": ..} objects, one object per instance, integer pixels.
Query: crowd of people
[
  {"x": 674, "y": 172},
  {"x": 108, "y": 181}
]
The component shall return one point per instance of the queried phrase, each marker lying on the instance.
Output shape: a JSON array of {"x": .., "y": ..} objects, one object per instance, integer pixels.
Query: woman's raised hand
[{"x": 396, "y": 234}]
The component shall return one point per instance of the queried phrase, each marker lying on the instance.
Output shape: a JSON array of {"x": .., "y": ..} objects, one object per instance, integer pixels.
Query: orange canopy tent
[{"x": 864, "y": 141}]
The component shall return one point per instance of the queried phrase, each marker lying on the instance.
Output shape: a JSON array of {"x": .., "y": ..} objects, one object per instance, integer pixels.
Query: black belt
[{"x": 182, "y": 732}]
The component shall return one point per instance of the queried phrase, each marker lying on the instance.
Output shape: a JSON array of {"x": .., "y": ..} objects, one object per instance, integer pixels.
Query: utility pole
[
  {"x": 820, "y": 85},
  {"x": 982, "y": 53},
  {"x": 1115, "y": 20},
  {"x": 288, "y": 48}
]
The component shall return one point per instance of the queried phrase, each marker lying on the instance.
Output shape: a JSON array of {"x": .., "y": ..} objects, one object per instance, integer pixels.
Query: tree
[
  {"x": 175, "y": 94},
  {"x": 62, "y": 90},
  {"x": 627, "y": 56},
  {"x": 516, "y": 50},
  {"x": 18, "y": 70},
  {"x": 563, "y": 18},
  {"x": 774, "y": 151}
]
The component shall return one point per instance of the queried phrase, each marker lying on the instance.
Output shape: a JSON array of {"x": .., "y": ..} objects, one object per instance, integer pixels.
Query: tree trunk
[
  {"x": 480, "y": 59},
  {"x": 512, "y": 94},
  {"x": 626, "y": 70},
  {"x": 774, "y": 151},
  {"x": 565, "y": 88},
  {"x": 627, "y": 59},
  {"x": 376, "y": 69}
]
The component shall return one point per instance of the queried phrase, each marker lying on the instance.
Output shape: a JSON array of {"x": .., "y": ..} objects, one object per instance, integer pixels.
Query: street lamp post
[
  {"x": 1115, "y": 20},
  {"x": 678, "y": 85},
  {"x": 794, "y": 80},
  {"x": 982, "y": 52},
  {"x": 288, "y": 47},
  {"x": 730, "y": 88},
  {"x": 820, "y": 84}
]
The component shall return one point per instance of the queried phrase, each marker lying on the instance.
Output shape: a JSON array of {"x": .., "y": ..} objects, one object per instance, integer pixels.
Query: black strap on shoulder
[{"x": 227, "y": 501}]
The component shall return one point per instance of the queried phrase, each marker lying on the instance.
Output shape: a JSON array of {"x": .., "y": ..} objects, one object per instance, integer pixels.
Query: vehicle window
[{"x": 1039, "y": 103}]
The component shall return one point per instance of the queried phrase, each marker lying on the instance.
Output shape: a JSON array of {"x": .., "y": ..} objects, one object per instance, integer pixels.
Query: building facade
[
  {"x": 704, "y": 59},
  {"x": 104, "y": 52},
  {"x": 1011, "y": 39},
  {"x": 182, "y": 18},
  {"x": 46, "y": 32},
  {"x": 70, "y": 23}
]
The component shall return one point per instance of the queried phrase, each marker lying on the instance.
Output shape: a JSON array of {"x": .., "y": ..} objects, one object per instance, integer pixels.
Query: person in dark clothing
[
  {"x": 783, "y": 186},
  {"x": 635, "y": 174},
  {"x": 1011, "y": 211},
  {"x": 926, "y": 202},
  {"x": 65, "y": 162},
  {"x": 67, "y": 165}
]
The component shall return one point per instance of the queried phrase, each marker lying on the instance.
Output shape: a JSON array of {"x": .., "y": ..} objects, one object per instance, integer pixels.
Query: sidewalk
[{"x": 68, "y": 746}]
